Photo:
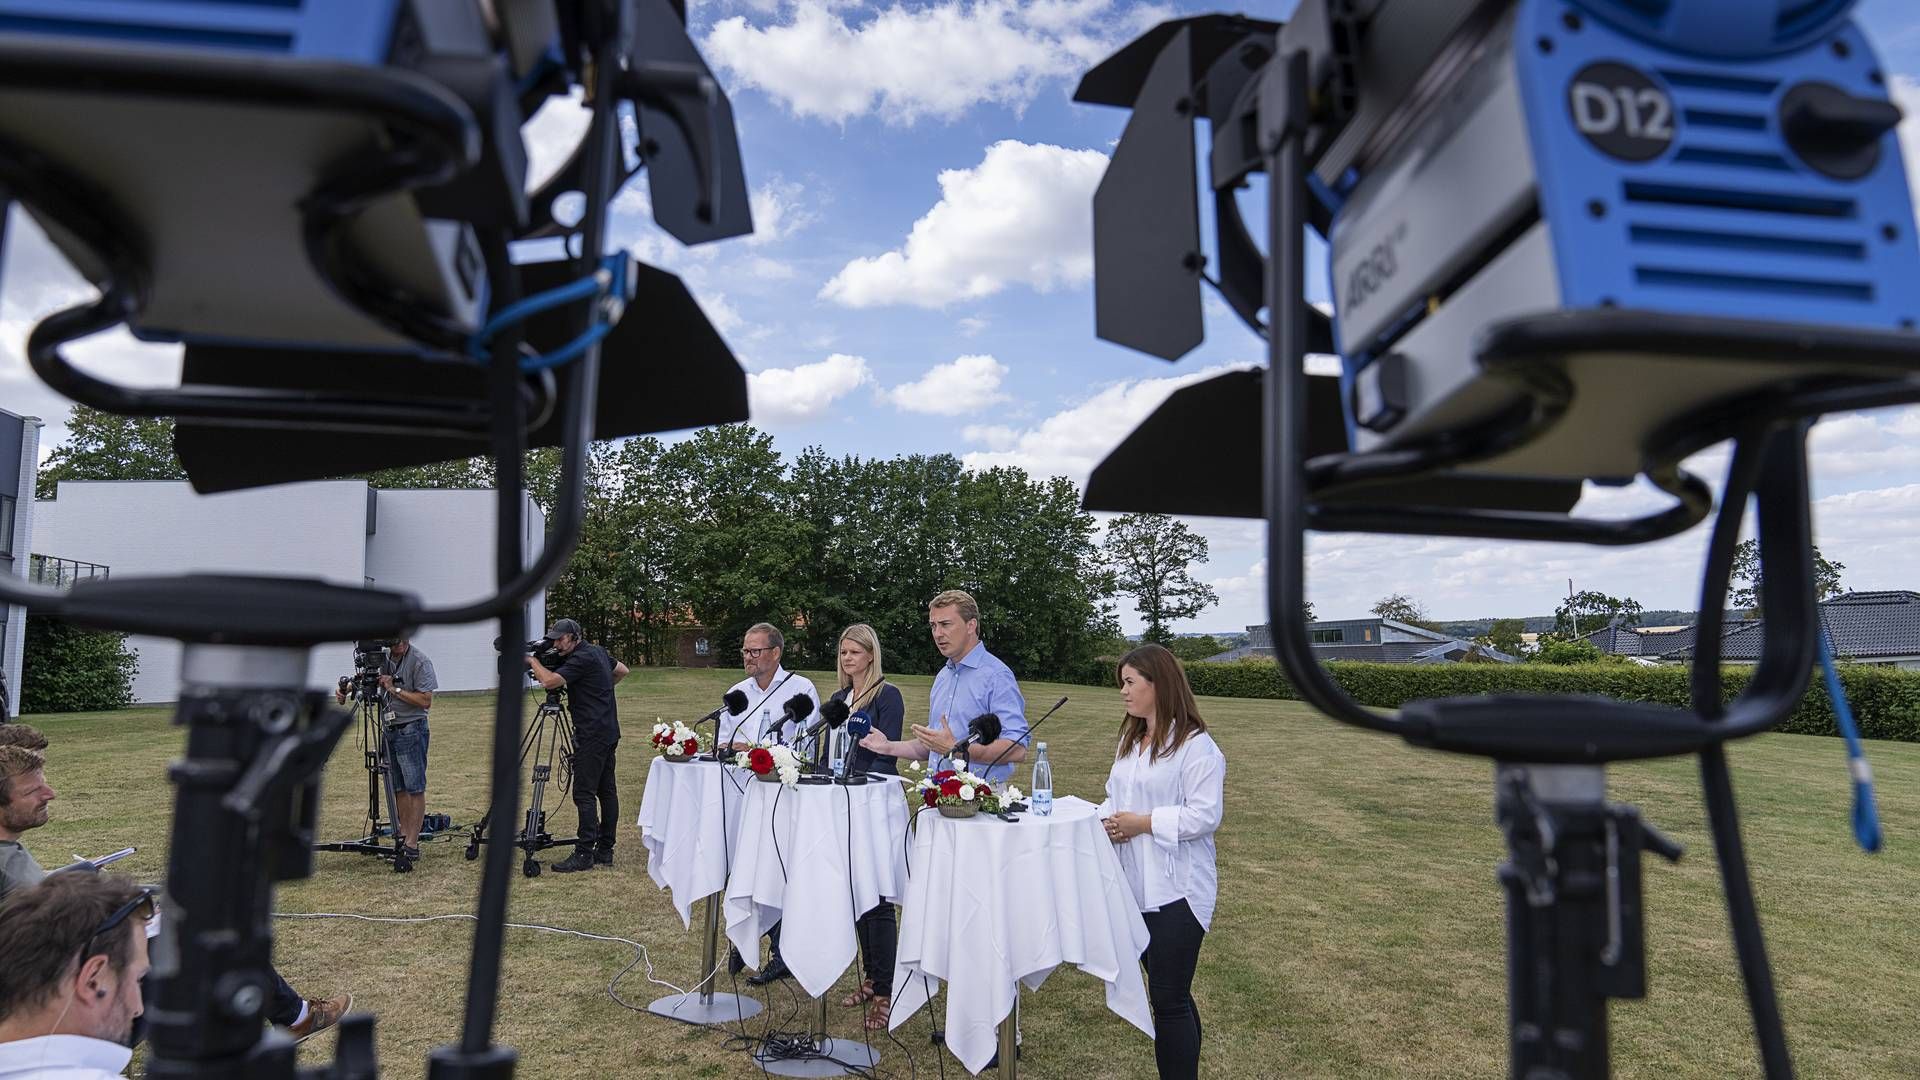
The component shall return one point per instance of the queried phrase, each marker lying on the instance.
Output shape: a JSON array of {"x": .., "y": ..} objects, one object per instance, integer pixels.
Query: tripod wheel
[
  {"x": 530, "y": 868},
  {"x": 473, "y": 852}
]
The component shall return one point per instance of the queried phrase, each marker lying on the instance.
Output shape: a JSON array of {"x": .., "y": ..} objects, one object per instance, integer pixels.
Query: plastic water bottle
[
  {"x": 1042, "y": 793},
  {"x": 838, "y": 745}
]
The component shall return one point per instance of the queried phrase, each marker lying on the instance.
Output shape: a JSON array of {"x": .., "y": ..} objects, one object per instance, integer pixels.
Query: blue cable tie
[
  {"x": 1866, "y": 813},
  {"x": 529, "y": 306},
  {"x": 569, "y": 352}
]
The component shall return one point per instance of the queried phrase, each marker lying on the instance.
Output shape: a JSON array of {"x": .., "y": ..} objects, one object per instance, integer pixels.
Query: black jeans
[
  {"x": 879, "y": 934},
  {"x": 593, "y": 781},
  {"x": 1170, "y": 960}
]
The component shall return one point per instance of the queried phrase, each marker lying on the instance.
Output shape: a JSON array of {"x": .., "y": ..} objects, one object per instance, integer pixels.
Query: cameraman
[
  {"x": 588, "y": 675},
  {"x": 407, "y": 684}
]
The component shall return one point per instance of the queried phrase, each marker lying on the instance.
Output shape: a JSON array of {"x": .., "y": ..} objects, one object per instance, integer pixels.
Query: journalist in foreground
[
  {"x": 75, "y": 949},
  {"x": 1163, "y": 805}
]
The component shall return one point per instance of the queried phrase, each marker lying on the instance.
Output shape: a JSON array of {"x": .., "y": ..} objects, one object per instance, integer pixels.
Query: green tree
[
  {"x": 67, "y": 669},
  {"x": 1587, "y": 611},
  {"x": 1401, "y": 608},
  {"x": 102, "y": 446},
  {"x": 1150, "y": 555},
  {"x": 1562, "y": 651},
  {"x": 1191, "y": 649},
  {"x": 463, "y": 473},
  {"x": 1746, "y": 575},
  {"x": 1504, "y": 635}
]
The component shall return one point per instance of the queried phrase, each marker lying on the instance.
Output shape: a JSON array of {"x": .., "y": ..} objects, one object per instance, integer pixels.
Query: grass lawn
[{"x": 1358, "y": 931}]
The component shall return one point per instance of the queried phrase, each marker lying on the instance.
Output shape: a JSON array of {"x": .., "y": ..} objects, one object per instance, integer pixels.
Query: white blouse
[{"x": 1183, "y": 793}]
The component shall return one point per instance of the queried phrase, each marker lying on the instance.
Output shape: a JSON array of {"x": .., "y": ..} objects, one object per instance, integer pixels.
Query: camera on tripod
[{"x": 369, "y": 657}]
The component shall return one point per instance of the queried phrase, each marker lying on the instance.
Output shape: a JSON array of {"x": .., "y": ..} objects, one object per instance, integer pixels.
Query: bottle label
[{"x": 1043, "y": 803}]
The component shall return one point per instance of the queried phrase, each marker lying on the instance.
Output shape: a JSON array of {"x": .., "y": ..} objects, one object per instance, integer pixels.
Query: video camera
[{"x": 369, "y": 657}]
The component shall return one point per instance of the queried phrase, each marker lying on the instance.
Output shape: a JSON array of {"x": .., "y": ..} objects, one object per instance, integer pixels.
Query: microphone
[
  {"x": 981, "y": 730},
  {"x": 858, "y": 725},
  {"x": 733, "y": 704},
  {"x": 795, "y": 712},
  {"x": 1031, "y": 728},
  {"x": 833, "y": 713}
]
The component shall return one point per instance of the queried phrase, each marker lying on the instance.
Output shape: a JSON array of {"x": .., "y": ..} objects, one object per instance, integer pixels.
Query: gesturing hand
[{"x": 940, "y": 741}]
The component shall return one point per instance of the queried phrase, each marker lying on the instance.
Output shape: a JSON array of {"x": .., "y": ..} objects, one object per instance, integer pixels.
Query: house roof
[{"x": 1861, "y": 625}]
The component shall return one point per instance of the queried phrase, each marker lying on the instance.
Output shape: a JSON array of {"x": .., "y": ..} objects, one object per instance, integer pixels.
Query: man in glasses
[
  {"x": 24, "y": 797},
  {"x": 768, "y": 687},
  {"x": 76, "y": 949}
]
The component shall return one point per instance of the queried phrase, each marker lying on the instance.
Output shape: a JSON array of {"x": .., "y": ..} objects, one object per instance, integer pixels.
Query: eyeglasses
[
  {"x": 754, "y": 654},
  {"x": 141, "y": 905}
]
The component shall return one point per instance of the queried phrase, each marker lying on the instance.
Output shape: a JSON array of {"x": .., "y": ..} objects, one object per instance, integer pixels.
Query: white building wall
[
  {"x": 440, "y": 546},
  {"x": 13, "y": 647},
  {"x": 162, "y": 527}
]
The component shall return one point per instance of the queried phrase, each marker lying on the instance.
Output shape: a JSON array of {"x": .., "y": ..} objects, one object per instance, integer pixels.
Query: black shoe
[
  {"x": 775, "y": 970},
  {"x": 579, "y": 860},
  {"x": 603, "y": 858},
  {"x": 735, "y": 962}
]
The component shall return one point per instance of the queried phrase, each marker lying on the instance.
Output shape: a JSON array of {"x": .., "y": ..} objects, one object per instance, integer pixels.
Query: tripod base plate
[
  {"x": 688, "y": 1008},
  {"x": 838, "y": 1057}
]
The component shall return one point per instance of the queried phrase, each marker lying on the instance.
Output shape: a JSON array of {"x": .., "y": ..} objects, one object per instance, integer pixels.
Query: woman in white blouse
[{"x": 1163, "y": 805}]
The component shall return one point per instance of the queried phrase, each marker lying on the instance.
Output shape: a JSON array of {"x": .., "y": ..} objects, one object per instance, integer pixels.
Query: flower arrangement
[
  {"x": 770, "y": 762},
  {"x": 958, "y": 794},
  {"x": 676, "y": 741}
]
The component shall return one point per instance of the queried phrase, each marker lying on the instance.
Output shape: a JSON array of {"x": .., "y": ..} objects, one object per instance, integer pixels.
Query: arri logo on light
[
  {"x": 1374, "y": 268},
  {"x": 1621, "y": 111}
]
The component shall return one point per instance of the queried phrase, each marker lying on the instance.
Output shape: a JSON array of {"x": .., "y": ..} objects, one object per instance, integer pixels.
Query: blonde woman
[
  {"x": 864, "y": 688},
  {"x": 1163, "y": 806}
]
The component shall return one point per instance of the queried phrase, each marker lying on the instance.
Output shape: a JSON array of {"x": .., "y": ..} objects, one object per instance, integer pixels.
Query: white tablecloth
[
  {"x": 792, "y": 866},
  {"x": 681, "y": 817},
  {"x": 990, "y": 902}
]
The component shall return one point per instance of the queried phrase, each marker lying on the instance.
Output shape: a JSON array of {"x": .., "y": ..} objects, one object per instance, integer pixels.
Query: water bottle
[
  {"x": 839, "y": 744},
  {"x": 1042, "y": 794}
]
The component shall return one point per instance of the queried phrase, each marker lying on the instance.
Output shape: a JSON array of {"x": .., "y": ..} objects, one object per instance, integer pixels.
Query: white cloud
[
  {"x": 552, "y": 134},
  {"x": 904, "y": 64},
  {"x": 765, "y": 269},
  {"x": 968, "y": 384},
  {"x": 971, "y": 326},
  {"x": 722, "y": 314},
  {"x": 1071, "y": 442},
  {"x": 777, "y": 211},
  {"x": 1023, "y": 216},
  {"x": 785, "y": 395},
  {"x": 992, "y": 436}
]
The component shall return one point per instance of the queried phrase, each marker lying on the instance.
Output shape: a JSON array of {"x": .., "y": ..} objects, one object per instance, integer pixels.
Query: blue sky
[{"x": 921, "y": 284}]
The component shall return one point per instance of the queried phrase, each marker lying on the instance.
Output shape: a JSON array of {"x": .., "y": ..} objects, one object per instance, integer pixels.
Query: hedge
[
  {"x": 67, "y": 669},
  {"x": 1886, "y": 701}
]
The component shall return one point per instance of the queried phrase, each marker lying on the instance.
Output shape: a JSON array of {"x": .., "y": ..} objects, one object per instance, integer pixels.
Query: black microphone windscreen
[
  {"x": 798, "y": 707},
  {"x": 736, "y": 702},
  {"x": 834, "y": 712},
  {"x": 985, "y": 728}
]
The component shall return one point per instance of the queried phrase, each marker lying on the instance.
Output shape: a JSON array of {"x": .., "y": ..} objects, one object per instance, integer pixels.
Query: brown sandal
[
  {"x": 858, "y": 997},
  {"x": 878, "y": 1011}
]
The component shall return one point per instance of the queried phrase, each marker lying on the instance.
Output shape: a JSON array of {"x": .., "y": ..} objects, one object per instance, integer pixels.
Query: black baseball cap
[{"x": 562, "y": 627}]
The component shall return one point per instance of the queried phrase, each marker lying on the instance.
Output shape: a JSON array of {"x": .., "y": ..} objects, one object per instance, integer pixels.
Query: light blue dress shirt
[{"x": 963, "y": 689}]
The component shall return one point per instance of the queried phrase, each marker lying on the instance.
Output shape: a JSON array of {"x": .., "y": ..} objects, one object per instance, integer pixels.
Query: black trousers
[
  {"x": 879, "y": 934},
  {"x": 1170, "y": 959},
  {"x": 593, "y": 783}
]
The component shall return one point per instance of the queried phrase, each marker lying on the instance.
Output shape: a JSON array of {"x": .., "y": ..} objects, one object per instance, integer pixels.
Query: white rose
[
  {"x": 1013, "y": 794},
  {"x": 919, "y": 766},
  {"x": 966, "y": 794}
]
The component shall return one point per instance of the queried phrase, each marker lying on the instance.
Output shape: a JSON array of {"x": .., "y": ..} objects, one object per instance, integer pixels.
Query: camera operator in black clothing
[{"x": 588, "y": 675}]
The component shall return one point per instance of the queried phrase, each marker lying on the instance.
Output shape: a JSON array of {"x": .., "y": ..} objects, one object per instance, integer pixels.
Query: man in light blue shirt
[{"x": 973, "y": 681}]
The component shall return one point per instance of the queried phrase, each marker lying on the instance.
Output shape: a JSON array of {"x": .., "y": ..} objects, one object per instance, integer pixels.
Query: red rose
[
  {"x": 943, "y": 776},
  {"x": 760, "y": 760},
  {"x": 690, "y": 746},
  {"x": 929, "y": 796},
  {"x": 951, "y": 787}
]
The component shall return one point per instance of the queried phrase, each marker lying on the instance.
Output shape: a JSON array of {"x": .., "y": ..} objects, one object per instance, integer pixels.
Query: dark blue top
[{"x": 889, "y": 712}]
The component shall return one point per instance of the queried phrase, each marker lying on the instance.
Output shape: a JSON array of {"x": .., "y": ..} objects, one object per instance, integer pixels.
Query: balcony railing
[{"x": 61, "y": 573}]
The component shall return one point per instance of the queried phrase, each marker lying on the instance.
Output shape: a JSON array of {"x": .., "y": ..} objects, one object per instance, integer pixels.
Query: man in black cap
[{"x": 588, "y": 675}]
